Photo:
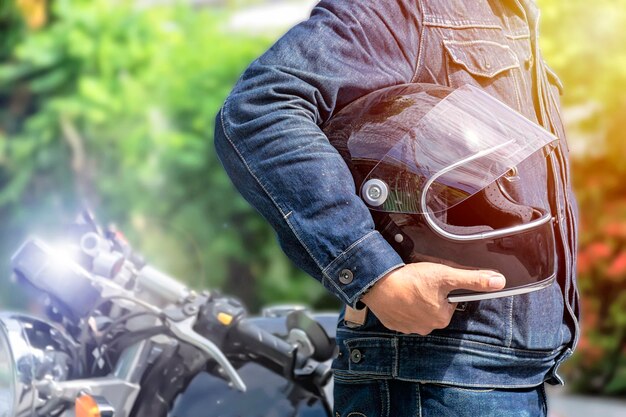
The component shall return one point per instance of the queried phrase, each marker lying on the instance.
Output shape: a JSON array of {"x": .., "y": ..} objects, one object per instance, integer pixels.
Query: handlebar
[
  {"x": 278, "y": 355},
  {"x": 248, "y": 337}
]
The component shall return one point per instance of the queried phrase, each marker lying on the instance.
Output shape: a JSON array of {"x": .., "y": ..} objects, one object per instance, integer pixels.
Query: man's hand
[{"x": 413, "y": 299}]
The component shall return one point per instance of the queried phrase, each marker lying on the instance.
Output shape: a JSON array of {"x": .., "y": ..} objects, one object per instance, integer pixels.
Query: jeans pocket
[{"x": 360, "y": 396}]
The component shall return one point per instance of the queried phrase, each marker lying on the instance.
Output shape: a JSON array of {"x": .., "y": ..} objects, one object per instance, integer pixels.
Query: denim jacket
[{"x": 268, "y": 137}]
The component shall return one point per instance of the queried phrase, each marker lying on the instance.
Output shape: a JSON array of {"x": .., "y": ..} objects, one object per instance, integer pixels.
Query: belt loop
[{"x": 355, "y": 317}]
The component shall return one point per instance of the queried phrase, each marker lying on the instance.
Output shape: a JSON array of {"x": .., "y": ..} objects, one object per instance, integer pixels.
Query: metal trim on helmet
[
  {"x": 477, "y": 296},
  {"x": 547, "y": 217}
]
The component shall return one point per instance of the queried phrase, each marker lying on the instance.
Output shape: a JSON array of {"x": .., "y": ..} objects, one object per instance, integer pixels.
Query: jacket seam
[
  {"x": 475, "y": 42},
  {"x": 326, "y": 278},
  {"x": 452, "y": 25},
  {"x": 437, "y": 21},
  {"x": 418, "y": 65},
  {"x": 352, "y": 246},
  {"x": 517, "y": 35},
  {"x": 285, "y": 216}
]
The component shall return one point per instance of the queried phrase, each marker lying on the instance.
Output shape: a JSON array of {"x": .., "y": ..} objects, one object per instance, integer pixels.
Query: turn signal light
[{"x": 93, "y": 406}]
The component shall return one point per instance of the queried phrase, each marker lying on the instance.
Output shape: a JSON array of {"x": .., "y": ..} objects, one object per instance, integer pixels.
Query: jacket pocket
[{"x": 488, "y": 64}]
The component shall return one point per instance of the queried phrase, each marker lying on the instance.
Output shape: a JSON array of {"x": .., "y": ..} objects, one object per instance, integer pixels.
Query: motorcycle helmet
[{"x": 453, "y": 176}]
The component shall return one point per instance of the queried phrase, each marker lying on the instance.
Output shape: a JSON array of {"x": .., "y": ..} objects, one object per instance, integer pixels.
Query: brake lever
[
  {"x": 181, "y": 327},
  {"x": 184, "y": 331}
]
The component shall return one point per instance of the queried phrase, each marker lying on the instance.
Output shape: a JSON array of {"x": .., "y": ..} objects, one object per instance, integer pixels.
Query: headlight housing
[
  {"x": 31, "y": 351},
  {"x": 7, "y": 376}
]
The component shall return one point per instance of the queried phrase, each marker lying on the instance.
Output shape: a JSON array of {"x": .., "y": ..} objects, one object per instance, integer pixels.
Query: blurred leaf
[{"x": 141, "y": 88}]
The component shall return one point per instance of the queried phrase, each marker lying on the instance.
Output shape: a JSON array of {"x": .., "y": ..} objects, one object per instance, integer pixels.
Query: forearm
[
  {"x": 269, "y": 140},
  {"x": 309, "y": 199}
]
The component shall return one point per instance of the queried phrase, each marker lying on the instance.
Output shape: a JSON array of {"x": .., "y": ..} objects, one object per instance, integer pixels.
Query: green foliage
[
  {"x": 10, "y": 20},
  {"x": 115, "y": 106}
]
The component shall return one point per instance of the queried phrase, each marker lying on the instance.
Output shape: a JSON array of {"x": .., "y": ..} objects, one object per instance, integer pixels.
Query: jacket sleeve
[{"x": 268, "y": 136}]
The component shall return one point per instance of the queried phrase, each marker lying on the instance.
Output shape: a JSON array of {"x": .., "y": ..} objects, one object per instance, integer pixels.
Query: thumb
[{"x": 482, "y": 280}]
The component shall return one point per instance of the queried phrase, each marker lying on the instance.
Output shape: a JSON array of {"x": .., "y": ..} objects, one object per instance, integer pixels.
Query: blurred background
[{"x": 112, "y": 103}]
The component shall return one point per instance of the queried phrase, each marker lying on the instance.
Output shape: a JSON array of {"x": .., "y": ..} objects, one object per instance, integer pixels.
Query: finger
[
  {"x": 474, "y": 280},
  {"x": 451, "y": 307}
]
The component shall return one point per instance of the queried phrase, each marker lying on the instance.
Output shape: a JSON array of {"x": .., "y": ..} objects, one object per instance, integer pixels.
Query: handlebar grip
[
  {"x": 279, "y": 356},
  {"x": 252, "y": 339}
]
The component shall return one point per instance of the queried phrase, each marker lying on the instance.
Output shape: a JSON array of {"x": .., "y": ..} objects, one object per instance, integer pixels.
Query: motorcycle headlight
[
  {"x": 7, "y": 376},
  {"x": 31, "y": 351}
]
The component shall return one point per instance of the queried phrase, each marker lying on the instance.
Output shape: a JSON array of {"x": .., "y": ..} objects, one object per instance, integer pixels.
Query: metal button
[
  {"x": 529, "y": 62},
  {"x": 356, "y": 356},
  {"x": 345, "y": 276}
]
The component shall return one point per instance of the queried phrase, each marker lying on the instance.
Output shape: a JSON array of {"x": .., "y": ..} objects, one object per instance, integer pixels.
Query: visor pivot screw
[
  {"x": 398, "y": 238},
  {"x": 374, "y": 192}
]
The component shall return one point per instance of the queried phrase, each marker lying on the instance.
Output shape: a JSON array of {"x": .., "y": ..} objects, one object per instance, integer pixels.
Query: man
[{"x": 413, "y": 353}]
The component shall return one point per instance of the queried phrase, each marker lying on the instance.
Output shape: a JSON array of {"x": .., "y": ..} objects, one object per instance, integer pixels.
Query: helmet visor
[{"x": 464, "y": 143}]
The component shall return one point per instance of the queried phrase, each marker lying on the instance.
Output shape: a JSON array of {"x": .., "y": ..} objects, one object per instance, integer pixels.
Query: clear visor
[{"x": 464, "y": 143}]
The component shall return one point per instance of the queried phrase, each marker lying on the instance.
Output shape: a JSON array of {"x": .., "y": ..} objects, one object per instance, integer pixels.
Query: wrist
[
  {"x": 370, "y": 292},
  {"x": 362, "y": 301}
]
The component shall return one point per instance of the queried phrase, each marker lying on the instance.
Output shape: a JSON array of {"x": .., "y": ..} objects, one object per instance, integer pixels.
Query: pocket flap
[
  {"x": 371, "y": 355},
  {"x": 481, "y": 57}
]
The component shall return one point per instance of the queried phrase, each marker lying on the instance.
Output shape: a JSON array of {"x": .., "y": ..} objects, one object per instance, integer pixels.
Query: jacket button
[
  {"x": 355, "y": 356},
  {"x": 345, "y": 276}
]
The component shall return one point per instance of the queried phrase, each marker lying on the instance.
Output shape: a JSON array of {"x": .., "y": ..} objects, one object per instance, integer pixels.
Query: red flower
[
  {"x": 597, "y": 251},
  {"x": 589, "y": 351},
  {"x": 584, "y": 263},
  {"x": 615, "y": 229},
  {"x": 617, "y": 269},
  {"x": 589, "y": 314}
]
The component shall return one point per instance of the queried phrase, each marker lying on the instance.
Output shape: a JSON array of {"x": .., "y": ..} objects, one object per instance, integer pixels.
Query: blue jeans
[{"x": 384, "y": 397}]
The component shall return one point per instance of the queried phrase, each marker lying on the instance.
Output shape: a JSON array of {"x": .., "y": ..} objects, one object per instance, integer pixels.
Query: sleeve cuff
[{"x": 360, "y": 266}]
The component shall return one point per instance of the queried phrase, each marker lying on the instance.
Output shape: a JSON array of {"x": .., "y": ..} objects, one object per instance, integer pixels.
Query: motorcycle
[{"x": 121, "y": 338}]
